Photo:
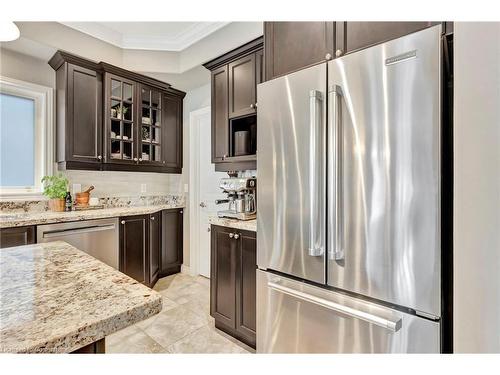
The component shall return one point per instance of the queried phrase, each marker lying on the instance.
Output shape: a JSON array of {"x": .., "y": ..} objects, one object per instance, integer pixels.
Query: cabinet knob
[
  {"x": 252, "y": 105},
  {"x": 123, "y": 221},
  {"x": 135, "y": 159},
  {"x": 231, "y": 235},
  {"x": 339, "y": 52},
  {"x": 152, "y": 217},
  {"x": 181, "y": 211},
  {"x": 236, "y": 236},
  {"x": 163, "y": 161},
  {"x": 99, "y": 157},
  {"x": 140, "y": 159},
  {"x": 328, "y": 56}
]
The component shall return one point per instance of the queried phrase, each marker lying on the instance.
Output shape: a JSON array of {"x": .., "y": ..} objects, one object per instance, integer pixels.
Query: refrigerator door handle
[
  {"x": 335, "y": 175},
  {"x": 393, "y": 325},
  {"x": 316, "y": 155}
]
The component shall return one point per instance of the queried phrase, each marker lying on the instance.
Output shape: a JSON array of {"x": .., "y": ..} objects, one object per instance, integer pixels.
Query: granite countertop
[
  {"x": 57, "y": 299},
  {"x": 250, "y": 225},
  {"x": 47, "y": 217}
]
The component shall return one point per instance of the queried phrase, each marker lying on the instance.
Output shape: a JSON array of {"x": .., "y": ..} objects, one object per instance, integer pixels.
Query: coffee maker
[{"x": 240, "y": 196}]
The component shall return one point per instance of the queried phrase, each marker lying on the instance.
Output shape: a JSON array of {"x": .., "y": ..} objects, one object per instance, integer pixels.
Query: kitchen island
[{"x": 58, "y": 299}]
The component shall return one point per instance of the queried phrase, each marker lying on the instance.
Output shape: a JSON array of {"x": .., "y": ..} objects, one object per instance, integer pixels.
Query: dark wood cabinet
[
  {"x": 172, "y": 131},
  {"x": 352, "y": 36},
  {"x": 134, "y": 247},
  {"x": 109, "y": 118},
  {"x": 17, "y": 236},
  {"x": 242, "y": 86},
  {"x": 233, "y": 283},
  {"x": 291, "y": 46},
  {"x": 234, "y": 79},
  {"x": 171, "y": 256},
  {"x": 155, "y": 237},
  {"x": 79, "y": 116},
  {"x": 220, "y": 128}
]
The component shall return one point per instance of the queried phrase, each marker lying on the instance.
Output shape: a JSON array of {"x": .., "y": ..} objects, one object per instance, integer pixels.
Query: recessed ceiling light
[{"x": 8, "y": 31}]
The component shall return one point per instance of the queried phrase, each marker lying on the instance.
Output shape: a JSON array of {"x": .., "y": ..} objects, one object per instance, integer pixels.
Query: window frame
[{"x": 44, "y": 151}]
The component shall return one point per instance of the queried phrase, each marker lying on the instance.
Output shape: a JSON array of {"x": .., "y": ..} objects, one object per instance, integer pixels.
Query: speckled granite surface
[
  {"x": 18, "y": 215},
  {"x": 233, "y": 223},
  {"x": 56, "y": 299}
]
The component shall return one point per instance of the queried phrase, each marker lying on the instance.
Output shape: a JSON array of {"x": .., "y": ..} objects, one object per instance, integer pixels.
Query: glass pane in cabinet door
[
  {"x": 115, "y": 129},
  {"x": 146, "y": 133},
  {"x": 146, "y": 151},
  {"x": 145, "y": 95},
  {"x": 127, "y": 150},
  {"x": 127, "y": 111},
  {"x": 146, "y": 116},
  {"x": 127, "y": 131},
  {"x": 127, "y": 91},
  {"x": 155, "y": 99},
  {"x": 156, "y": 153},
  {"x": 115, "y": 150},
  {"x": 116, "y": 88},
  {"x": 155, "y": 117},
  {"x": 116, "y": 111},
  {"x": 155, "y": 135}
]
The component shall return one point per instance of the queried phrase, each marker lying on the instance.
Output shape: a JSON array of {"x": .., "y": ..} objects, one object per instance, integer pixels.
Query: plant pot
[{"x": 57, "y": 204}]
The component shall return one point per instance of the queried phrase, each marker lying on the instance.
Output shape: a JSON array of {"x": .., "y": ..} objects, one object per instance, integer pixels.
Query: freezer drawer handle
[
  {"x": 67, "y": 232},
  {"x": 316, "y": 246},
  {"x": 335, "y": 176},
  {"x": 391, "y": 325}
]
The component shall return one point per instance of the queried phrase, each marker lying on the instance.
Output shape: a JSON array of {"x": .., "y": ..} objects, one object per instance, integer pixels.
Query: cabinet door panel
[
  {"x": 17, "y": 236},
  {"x": 84, "y": 124},
  {"x": 246, "y": 279},
  {"x": 134, "y": 246},
  {"x": 220, "y": 138},
  {"x": 171, "y": 244},
  {"x": 242, "y": 90},
  {"x": 352, "y": 36},
  {"x": 223, "y": 276},
  {"x": 172, "y": 131},
  {"x": 154, "y": 247},
  {"x": 292, "y": 46}
]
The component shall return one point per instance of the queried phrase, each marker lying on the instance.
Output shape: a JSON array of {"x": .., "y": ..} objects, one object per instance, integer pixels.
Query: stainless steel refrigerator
[{"x": 348, "y": 217}]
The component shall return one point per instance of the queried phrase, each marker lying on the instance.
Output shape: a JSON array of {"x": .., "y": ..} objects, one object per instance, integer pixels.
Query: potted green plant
[{"x": 55, "y": 188}]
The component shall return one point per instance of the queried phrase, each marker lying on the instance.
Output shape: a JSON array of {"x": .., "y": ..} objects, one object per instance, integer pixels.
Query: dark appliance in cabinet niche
[
  {"x": 235, "y": 77},
  {"x": 233, "y": 282}
]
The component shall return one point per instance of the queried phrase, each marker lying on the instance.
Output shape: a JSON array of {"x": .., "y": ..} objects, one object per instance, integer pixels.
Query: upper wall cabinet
[
  {"x": 109, "y": 118},
  {"x": 290, "y": 46},
  {"x": 235, "y": 76}
]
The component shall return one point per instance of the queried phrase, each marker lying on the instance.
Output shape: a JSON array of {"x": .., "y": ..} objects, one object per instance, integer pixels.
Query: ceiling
[{"x": 162, "y": 36}]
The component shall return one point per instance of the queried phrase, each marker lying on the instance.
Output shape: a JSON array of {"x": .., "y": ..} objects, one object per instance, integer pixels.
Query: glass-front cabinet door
[
  {"x": 150, "y": 135},
  {"x": 121, "y": 120}
]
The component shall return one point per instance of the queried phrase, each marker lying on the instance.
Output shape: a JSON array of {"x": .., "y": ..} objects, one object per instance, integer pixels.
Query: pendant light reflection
[{"x": 8, "y": 31}]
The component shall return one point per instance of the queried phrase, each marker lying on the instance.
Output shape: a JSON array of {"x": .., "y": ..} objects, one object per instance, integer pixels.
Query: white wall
[{"x": 477, "y": 187}]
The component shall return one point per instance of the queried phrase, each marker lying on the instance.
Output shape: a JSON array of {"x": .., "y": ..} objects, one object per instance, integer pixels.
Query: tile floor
[{"x": 183, "y": 326}]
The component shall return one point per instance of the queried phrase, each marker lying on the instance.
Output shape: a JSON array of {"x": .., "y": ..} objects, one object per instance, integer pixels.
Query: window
[{"x": 26, "y": 146}]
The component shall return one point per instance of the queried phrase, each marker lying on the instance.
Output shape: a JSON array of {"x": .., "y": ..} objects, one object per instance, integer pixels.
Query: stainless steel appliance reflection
[
  {"x": 349, "y": 200},
  {"x": 241, "y": 192}
]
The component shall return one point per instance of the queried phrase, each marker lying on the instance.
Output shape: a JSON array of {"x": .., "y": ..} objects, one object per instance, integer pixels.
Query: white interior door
[{"x": 208, "y": 192}]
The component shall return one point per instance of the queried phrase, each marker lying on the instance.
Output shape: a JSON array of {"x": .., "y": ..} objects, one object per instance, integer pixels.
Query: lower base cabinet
[
  {"x": 151, "y": 245},
  {"x": 17, "y": 236},
  {"x": 233, "y": 283}
]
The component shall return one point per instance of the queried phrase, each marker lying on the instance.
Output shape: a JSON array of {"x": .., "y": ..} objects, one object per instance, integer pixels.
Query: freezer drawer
[{"x": 294, "y": 317}]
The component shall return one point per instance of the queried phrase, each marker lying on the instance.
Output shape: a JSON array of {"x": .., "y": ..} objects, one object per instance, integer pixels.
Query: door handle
[
  {"x": 67, "y": 232},
  {"x": 316, "y": 155},
  {"x": 335, "y": 176},
  {"x": 392, "y": 325}
]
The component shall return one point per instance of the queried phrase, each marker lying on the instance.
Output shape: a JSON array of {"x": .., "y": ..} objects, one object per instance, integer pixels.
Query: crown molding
[{"x": 175, "y": 43}]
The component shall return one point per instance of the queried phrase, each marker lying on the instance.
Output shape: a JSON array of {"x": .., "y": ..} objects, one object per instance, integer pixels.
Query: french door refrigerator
[{"x": 348, "y": 218}]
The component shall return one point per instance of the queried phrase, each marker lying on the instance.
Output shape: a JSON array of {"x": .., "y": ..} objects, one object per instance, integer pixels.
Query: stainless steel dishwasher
[{"x": 98, "y": 238}]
